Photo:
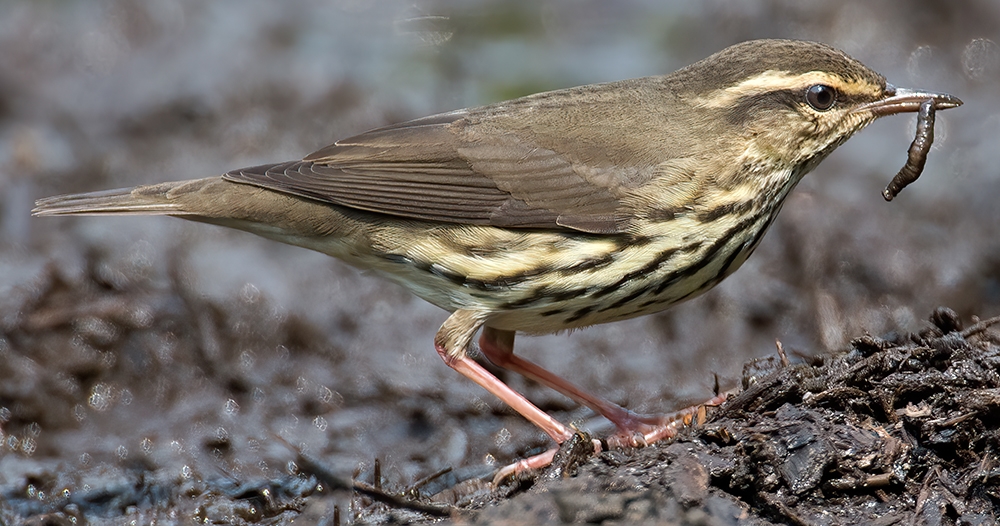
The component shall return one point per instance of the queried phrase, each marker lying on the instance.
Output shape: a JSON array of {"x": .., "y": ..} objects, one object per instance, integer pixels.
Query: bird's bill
[{"x": 902, "y": 100}]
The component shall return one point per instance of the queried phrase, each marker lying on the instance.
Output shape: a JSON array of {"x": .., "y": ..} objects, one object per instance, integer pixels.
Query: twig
[
  {"x": 316, "y": 469},
  {"x": 424, "y": 481},
  {"x": 781, "y": 353},
  {"x": 980, "y": 327}
]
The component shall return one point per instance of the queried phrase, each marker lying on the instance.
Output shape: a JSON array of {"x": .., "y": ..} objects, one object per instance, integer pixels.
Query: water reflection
[{"x": 981, "y": 59}]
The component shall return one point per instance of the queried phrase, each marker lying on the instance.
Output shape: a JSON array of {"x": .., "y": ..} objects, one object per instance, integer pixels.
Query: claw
[{"x": 642, "y": 431}]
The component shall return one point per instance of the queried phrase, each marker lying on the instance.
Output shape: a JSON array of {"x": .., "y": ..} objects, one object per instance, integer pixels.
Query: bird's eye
[{"x": 821, "y": 97}]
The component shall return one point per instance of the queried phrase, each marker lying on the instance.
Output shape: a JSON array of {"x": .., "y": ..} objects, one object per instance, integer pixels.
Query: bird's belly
[
  {"x": 639, "y": 295},
  {"x": 558, "y": 282}
]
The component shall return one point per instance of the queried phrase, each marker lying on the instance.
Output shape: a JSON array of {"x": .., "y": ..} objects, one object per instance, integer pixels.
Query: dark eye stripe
[{"x": 744, "y": 110}]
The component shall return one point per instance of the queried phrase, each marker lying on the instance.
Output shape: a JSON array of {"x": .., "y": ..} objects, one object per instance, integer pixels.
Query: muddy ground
[{"x": 152, "y": 369}]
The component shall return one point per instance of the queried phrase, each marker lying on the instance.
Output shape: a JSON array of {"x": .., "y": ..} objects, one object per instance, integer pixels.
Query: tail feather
[
  {"x": 141, "y": 200},
  {"x": 214, "y": 200}
]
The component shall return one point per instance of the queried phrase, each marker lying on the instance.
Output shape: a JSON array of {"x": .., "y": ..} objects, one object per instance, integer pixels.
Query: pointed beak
[{"x": 902, "y": 100}]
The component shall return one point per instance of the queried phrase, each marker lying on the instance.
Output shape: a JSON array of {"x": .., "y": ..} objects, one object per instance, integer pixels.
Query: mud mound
[
  {"x": 900, "y": 430},
  {"x": 897, "y": 430}
]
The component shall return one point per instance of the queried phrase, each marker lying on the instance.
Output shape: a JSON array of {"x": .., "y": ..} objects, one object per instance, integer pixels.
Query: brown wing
[{"x": 486, "y": 166}]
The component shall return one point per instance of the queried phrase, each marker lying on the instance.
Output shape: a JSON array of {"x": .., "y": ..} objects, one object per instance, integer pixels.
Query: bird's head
[{"x": 785, "y": 104}]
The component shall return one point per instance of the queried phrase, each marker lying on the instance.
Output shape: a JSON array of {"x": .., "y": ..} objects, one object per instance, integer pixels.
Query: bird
[{"x": 557, "y": 210}]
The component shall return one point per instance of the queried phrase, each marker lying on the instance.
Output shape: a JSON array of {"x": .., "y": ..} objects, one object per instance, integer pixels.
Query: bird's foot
[
  {"x": 572, "y": 452},
  {"x": 634, "y": 430},
  {"x": 538, "y": 461}
]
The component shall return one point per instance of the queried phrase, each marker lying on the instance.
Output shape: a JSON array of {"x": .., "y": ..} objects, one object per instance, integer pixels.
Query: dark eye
[{"x": 821, "y": 97}]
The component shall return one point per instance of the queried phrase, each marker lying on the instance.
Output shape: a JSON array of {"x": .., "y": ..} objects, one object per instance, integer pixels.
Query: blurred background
[{"x": 167, "y": 351}]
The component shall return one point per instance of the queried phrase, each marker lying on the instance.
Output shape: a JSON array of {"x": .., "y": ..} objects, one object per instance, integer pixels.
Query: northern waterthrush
[{"x": 562, "y": 209}]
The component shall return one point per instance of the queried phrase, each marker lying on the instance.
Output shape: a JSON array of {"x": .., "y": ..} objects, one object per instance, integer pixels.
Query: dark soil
[{"x": 903, "y": 429}]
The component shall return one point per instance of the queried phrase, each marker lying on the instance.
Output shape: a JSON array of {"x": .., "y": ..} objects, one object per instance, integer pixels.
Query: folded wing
[{"x": 444, "y": 168}]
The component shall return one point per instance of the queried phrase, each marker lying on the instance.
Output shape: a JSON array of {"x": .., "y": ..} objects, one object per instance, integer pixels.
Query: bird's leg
[
  {"x": 451, "y": 343},
  {"x": 498, "y": 347},
  {"x": 633, "y": 429}
]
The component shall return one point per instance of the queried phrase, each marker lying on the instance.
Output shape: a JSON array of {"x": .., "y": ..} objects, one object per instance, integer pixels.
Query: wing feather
[{"x": 508, "y": 165}]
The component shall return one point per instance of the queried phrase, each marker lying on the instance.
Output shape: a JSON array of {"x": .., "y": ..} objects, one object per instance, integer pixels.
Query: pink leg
[
  {"x": 633, "y": 429},
  {"x": 475, "y": 372},
  {"x": 538, "y": 461}
]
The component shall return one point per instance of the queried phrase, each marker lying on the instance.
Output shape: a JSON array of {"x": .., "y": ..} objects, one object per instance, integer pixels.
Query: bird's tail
[
  {"x": 216, "y": 201},
  {"x": 157, "y": 199}
]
